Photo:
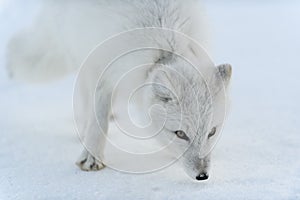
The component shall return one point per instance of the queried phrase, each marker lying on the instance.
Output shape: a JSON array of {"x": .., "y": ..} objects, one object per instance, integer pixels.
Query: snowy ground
[{"x": 256, "y": 158}]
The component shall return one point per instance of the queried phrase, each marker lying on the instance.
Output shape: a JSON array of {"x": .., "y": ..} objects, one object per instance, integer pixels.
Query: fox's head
[{"x": 193, "y": 112}]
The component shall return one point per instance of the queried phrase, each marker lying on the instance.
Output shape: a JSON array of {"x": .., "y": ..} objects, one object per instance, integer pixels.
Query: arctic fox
[{"x": 66, "y": 31}]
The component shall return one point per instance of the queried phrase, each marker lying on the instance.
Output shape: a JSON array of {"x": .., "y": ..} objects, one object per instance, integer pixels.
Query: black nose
[{"x": 202, "y": 177}]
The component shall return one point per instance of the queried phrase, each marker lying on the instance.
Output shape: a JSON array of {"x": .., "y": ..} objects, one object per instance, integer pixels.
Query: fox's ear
[
  {"x": 224, "y": 71},
  {"x": 162, "y": 87}
]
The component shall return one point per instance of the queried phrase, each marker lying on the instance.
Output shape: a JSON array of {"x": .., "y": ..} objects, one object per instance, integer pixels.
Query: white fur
[{"x": 66, "y": 31}]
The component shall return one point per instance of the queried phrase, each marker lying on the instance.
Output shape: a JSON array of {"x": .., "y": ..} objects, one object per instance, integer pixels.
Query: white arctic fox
[{"x": 66, "y": 31}]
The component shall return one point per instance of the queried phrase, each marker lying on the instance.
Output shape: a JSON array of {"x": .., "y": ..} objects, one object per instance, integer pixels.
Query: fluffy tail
[{"x": 38, "y": 54}]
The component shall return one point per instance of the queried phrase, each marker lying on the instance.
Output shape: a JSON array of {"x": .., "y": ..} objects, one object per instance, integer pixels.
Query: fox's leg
[{"x": 95, "y": 132}]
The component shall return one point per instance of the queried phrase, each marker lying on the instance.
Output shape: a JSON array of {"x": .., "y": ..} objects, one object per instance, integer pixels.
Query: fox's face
[{"x": 193, "y": 113}]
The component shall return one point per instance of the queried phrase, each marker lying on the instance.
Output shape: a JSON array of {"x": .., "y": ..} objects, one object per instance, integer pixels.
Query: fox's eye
[
  {"x": 212, "y": 132},
  {"x": 165, "y": 99},
  {"x": 181, "y": 135}
]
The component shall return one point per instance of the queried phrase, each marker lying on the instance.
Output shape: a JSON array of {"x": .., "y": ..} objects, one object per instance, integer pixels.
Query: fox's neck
[{"x": 167, "y": 14}]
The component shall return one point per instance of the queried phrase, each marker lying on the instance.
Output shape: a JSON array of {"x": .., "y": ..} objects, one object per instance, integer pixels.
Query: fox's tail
[
  {"x": 38, "y": 54},
  {"x": 37, "y": 58}
]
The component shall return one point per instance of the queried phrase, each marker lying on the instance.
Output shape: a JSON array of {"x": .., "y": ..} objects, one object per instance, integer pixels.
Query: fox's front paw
[{"x": 88, "y": 162}]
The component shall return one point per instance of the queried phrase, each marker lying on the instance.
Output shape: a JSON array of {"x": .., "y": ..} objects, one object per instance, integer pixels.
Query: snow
[{"x": 257, "y": 156}]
